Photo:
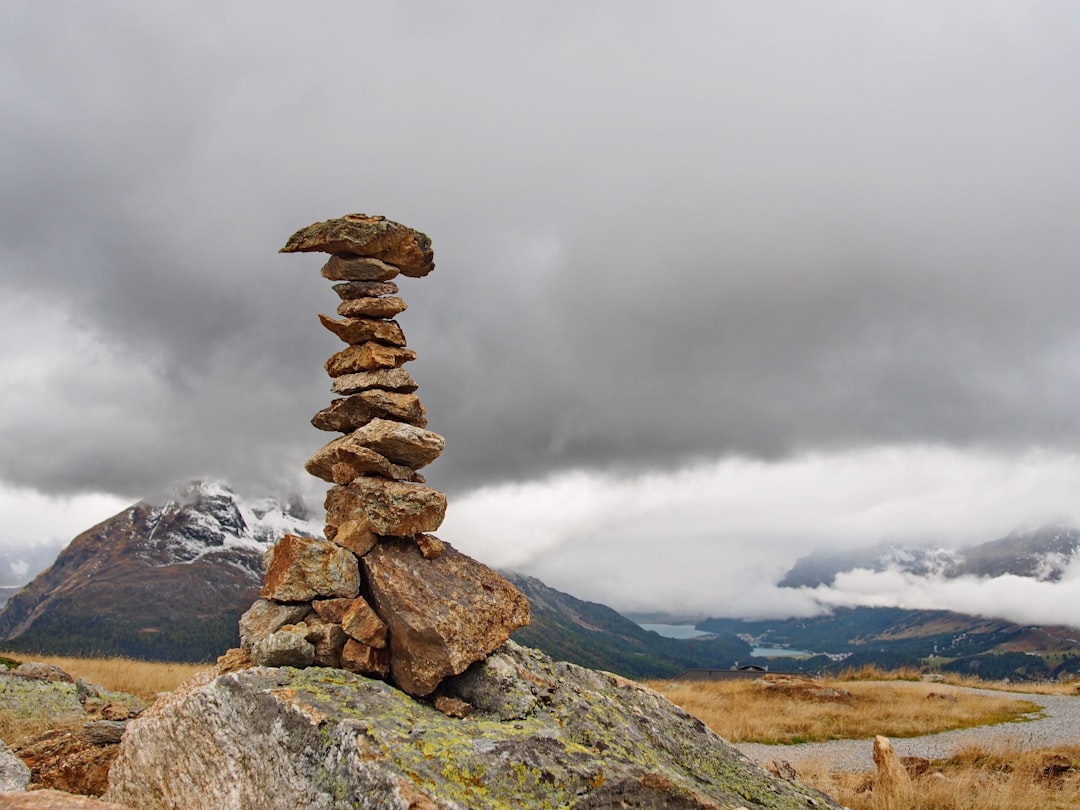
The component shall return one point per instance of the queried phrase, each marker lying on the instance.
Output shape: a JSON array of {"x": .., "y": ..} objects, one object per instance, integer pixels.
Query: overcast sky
[{"x": 717, "y": 283}]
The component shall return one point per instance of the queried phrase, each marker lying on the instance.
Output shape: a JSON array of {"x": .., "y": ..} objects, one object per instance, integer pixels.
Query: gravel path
[{"x": 1059, "y": 726}]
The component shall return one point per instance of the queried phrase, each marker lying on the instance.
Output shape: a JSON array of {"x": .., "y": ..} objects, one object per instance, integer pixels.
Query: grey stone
[
  {"x": 322, "y": 739},
  {"x": 283, "y": 649},
  {"x": 14, "y": 775},
  {"x": 265, "y": 616},
  {"x": 104, "y": 732}
]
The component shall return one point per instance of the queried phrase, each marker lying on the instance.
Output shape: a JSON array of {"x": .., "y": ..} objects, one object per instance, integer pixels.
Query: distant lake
[
  {"x": 777, "y": 652},
  {"x": 675, "y": 630}
]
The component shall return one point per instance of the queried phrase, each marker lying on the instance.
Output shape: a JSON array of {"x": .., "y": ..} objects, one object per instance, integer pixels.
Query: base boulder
[{"x": 541, "y": 734}]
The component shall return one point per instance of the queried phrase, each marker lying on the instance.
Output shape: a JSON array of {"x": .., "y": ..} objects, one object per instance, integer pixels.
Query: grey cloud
[{"x": 659, "y": 235}]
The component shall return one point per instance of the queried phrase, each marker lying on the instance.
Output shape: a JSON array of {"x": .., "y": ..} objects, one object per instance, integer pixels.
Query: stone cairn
[{"x": 380, "y": 596}]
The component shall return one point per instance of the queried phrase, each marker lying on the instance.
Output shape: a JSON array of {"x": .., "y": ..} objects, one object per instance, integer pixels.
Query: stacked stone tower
[{"x": 380, "y": 596}]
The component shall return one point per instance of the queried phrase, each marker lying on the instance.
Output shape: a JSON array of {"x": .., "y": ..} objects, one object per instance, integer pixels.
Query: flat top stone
[{"x": 362, "y": 235}]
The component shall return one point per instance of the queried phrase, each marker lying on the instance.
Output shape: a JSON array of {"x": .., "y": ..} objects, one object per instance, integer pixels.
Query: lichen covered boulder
[{"x": 541, "y": 734}]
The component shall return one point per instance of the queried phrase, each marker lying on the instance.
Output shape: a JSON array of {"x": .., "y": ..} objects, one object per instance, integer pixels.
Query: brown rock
[
  {"x": 452, "y": 707},
  {"x": 388, "y": 379},
  {"x": 367, "y": 356},
  {"x": 348, "y": 414},
  {"x": 331, "y": 610},
  {"x": 365, "y": 660},
  {"x": 443, "y": 614},
  {"x": 348, "y": 290},
  {"x": 393, "y": 508},
  {"x": 63, "y": 760},
  {"x": 348, "y": 457},
  {"x": 302, "y": 568},
  {"x": 360, "y": 330},
  {"x": 357, "y": 268},
  {"x": 404, "y": 444},
  {"x": 54, "y": 800},
  {"x": 361, "y": 235},
  {"x": 363, "y": 624},
  {"x": 356, "y": 536},
  {"x": 430, "y": 546},
  {"x": 104, "y": 732},
  {"x": 234, "y": 660},
  {"x": 371, "y": 307}
]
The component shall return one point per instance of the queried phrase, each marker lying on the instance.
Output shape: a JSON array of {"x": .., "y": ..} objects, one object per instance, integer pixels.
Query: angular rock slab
[
  {"x": 443, "y": 614},
  {"x": 371, "y": 308},
  {"x": 299, "y": 569},
  {"x": 348, "y": 414},
  {"x": 367, "y": 357},
  {"x": 323, "y": 739},
  {"x": 388, "y": 379},
  {"x": 346, "y": 458},
  {"x": 403, "y": 444},
  {"x": 357, "y": 268},
  {"x": 385, "y": 507},
  {"x": 360, "y": 235},
  {"x": 360, "y": 330}
]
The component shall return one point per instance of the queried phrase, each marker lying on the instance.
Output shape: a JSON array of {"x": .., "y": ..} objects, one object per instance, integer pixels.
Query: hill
[
  {"x": 163, "y": 581},
  {"x": 597, "y": 637}
]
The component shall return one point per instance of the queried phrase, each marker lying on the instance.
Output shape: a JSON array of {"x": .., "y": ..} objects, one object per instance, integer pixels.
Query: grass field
[{"x": 867, "y": 703}]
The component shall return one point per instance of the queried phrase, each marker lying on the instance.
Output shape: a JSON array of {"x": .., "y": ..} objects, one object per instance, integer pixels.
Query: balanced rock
[
  {"x": 541, "y": 734},
  {"x": 355, "y": 535},
  {"x": 404, "y": 444},
  {"x": 367, "y": 356},
  {"x": 387, "y": 379},
  {"x": 348, "y": 414},
  {"x": 360, "y": 235},
  {"x": 348, "y": 290},
  {"x": 360, "y": 330},
  {"x": 371, "y": 308},
  {"x": 300, "y": 569},
  {"x": 393, "y": 508},
  {"x": 443, "y": 613},
  {"x": 348, "y": 457},
  {"x": 358, "y": 268}
]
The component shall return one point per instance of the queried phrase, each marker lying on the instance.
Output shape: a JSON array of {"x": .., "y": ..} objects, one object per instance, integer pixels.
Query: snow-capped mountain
[
  {"x": 207, "y": 519},
  {"x": 164, "y": 580},
  {"x": 1041, "y": 553}
]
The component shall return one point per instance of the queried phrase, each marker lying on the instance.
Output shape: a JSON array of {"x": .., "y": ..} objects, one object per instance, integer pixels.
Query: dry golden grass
[
  {"x": 775, "y": 709},
  {"x": 144, "y": 679},
  {"x": 869, "y": 672},
  {"x": 973, "y": 779}
]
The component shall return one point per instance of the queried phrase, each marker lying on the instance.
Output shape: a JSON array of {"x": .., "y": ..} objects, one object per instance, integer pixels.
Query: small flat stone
[
  {"x": 358, "y": 268},
  {"x": 371, "y": 308},
  {"x": 360, "y": 330},
  {"x": 104, "y": 732},
  {"x": 349, "y": 290},
  {"x": 346, "y": 415},
  {"x": 366, "y": 357},
  {"x": 452, "y": 707},
  {"x": 430, "y": 546},
  {"x": 388, "y": 379},
  {"x": 362, "y": 235}
]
